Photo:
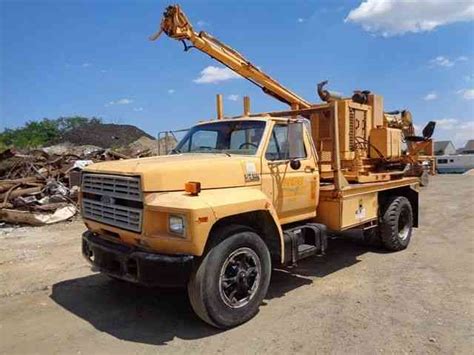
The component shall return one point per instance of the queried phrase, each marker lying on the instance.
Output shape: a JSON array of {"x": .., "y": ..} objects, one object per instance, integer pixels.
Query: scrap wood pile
[{"x": 41, "y": 186}]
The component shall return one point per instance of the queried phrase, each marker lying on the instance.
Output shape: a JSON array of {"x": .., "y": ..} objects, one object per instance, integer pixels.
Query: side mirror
[{"x": 296, "y": 141}]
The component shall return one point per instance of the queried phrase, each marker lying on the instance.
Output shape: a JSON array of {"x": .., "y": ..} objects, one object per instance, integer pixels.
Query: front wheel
[{"x": 229, "y": 284}]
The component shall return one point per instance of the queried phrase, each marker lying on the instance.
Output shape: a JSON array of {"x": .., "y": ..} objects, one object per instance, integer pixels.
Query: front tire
[
  {"x": 229, "y": 284},
  {"x": 397, "y": 224}
]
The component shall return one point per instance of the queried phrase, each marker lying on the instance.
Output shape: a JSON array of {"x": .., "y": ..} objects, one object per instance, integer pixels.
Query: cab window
[
  {"x": 278, "y": 147},
  {"x": 246, "y": 138},
  {"x": 203, "y": 140},
  {"x": 231, "y": 137}
]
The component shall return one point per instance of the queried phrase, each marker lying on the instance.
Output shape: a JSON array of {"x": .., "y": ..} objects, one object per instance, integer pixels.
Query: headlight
[{"x": 176, "y": 224}]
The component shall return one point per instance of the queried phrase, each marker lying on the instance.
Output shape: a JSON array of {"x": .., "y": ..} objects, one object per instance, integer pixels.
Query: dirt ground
[{"x": 354, "y": 300}]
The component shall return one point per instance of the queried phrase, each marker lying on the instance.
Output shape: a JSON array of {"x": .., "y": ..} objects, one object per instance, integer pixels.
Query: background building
[{"x": 444, "y": 148}]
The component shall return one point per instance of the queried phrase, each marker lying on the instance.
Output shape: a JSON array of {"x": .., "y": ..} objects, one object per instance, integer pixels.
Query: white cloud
[
  {"x": 455, "y": 130},
  {"x": 300, "y": 20},
  {"x": 395, "y": 17},
  {"x": 214, "y": 75},
  {"x": 121, "y": 102},
  {"x": 447, "y": 123},
  {"x": 202, "y": 23},
  {"x": 233, "y": 97},
  {"x": 430, "y": 96},
  {"x": 442, "y": 62},
  {"x": 138, "y": 109},
  {"x": 171, "y": 91},
  {"x": 467, "y": 94},
  {"x": 78, "y": 65}
]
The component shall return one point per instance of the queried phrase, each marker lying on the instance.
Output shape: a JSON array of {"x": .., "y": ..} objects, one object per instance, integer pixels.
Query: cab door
[{"x": 292, "y": 183}]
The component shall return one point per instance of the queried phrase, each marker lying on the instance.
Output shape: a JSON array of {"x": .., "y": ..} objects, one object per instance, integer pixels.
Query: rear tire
[
  {"x": 397, "y": 224},
  {"x": 229, "y": 284}
]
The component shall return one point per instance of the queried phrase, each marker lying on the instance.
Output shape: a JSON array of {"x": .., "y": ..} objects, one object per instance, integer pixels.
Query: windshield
[{"x": 233, "y": 137}]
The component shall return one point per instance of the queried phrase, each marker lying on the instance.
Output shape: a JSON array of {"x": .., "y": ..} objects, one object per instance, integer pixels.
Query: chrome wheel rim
[
  {"x": 404, "y": 224},
  {"x": 240, "y": 277}
]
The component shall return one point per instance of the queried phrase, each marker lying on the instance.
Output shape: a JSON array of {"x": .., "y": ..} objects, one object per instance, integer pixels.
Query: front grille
[
  {"x": 113, "y": 200},
  {"x": 117, "y": 216},
  {"x": 127, "y": 187}
]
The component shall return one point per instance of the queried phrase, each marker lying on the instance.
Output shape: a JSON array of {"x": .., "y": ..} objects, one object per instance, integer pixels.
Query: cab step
[
  {"x": 306, "y": 250},
  {"x": 304, "y": 241}
]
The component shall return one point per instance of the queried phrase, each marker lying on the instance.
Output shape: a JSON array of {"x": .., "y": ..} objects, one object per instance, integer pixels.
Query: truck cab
[{"x": 238, "y": 166}]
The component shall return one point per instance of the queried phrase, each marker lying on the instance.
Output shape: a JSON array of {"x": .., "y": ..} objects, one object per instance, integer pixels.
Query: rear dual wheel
[
  {"x": 397, "y": 224},
  {"x": 229, "y": 284}
]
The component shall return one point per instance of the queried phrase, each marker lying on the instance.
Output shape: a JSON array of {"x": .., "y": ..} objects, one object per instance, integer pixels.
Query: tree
[{"x": 43, "y": 132}]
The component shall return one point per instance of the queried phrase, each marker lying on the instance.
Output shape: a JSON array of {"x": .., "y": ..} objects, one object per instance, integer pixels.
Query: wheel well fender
[{"x": 260, "y": 221}]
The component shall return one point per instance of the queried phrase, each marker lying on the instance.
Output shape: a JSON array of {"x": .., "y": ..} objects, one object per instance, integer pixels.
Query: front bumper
[{"x": 135, "y": 265}]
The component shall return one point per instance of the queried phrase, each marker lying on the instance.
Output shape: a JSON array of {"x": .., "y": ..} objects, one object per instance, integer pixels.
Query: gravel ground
[{"x": 353, "y": 300}]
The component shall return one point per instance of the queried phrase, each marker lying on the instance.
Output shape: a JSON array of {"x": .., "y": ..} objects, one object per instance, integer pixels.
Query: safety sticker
[
  {"x": 360, "y": 212},
  {"x": 251, "y": 173}
]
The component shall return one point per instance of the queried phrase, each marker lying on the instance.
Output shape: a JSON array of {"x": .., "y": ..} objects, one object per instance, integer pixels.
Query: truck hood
[{"x": 171, "y": 172}]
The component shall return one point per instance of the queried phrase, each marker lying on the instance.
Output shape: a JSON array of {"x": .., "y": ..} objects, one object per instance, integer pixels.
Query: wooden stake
[
  {"x": 246, "y": 105},
  {"x": 220, "y": 107}
]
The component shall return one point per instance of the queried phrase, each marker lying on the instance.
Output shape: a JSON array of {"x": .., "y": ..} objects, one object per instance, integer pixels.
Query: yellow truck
[{"x": 240, "y": 195}]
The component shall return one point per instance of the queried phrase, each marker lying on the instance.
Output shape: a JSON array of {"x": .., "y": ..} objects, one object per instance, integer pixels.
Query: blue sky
[{"x": 93, "y": 58}]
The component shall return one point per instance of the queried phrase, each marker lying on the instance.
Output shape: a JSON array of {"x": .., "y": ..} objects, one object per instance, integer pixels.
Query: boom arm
[{"x": 176, "y": 25}]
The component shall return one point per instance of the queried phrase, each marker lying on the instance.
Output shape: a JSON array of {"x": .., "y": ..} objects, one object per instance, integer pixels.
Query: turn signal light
[{"x": 192, "y": 187}]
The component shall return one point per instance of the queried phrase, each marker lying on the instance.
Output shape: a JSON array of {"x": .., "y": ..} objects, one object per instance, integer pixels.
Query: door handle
[{"x": 309, "y": 169}]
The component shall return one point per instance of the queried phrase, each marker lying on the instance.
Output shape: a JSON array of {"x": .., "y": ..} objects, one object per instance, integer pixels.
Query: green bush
[{"x": 42, "y": 133}]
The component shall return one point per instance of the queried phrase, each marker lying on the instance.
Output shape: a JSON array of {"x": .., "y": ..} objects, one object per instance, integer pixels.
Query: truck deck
[{"x": 357, "y": 204}]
